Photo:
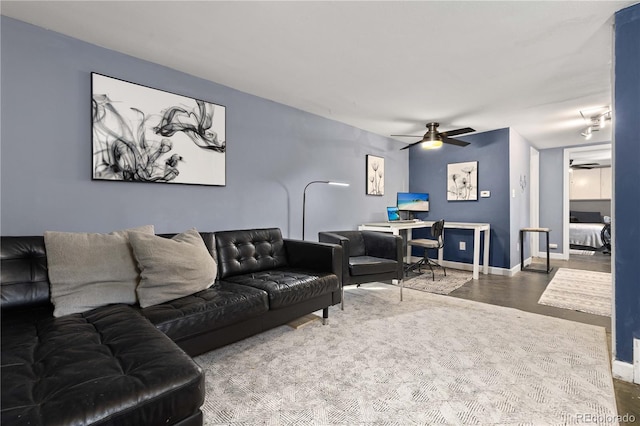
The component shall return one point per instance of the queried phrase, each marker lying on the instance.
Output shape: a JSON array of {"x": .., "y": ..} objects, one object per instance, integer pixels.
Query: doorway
[{"x": 587, "y": 201}]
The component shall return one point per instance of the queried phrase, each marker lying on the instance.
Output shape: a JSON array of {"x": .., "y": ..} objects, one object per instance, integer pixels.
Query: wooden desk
[{"x": 395, "y": 229}]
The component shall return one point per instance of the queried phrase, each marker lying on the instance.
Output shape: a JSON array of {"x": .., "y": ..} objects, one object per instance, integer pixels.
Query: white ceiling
[{"x": 386, "y": 67}]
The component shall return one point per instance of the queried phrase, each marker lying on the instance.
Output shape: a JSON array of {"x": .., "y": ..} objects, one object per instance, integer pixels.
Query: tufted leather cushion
[
  {"x": 247, "y": 251},
  {"x": 365, "y": 265},
  {"x": 105, "y": 366},
  {"x": 289, "y": 286},
  {"x": 218, "y": 306},
  {"x": 23, "y": 272}
]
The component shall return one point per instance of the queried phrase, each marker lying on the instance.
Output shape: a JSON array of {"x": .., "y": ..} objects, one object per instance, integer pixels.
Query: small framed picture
[
  {"x": 375, "y": 175},
  {"x": 462, "y": 181}
]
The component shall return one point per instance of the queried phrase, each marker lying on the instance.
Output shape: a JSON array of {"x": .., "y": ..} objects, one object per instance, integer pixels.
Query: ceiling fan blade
[
  {"x": 458, "y": 131},
  {"x": 452, "y": 141},
  {"x": 587, "y": 166},
  {"x": 409, "y": 136},
  {"x": 410, "y": 145}
]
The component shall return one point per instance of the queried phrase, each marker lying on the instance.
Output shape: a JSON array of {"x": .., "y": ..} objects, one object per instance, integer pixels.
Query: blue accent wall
[
  {"x": 626, "y": 152},
  {"x": 428, "y": 173},
  {"x": 273, "y": 152}
]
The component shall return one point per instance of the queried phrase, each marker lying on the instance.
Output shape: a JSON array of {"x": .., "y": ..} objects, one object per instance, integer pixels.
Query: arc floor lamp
[{"x": 304, "y": 197}]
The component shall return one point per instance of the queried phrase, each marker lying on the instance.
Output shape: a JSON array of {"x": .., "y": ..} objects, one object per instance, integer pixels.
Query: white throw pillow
[
  {"x": 89, "y": 270},
  {"x": 172, "y": 268}
]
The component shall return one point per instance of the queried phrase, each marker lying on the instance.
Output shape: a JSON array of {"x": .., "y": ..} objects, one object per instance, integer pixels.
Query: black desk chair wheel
[{"x": 436, "y": 243}]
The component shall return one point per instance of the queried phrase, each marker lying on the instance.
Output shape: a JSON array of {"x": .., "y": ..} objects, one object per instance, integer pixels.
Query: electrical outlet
[
  {"x": 463, "y": 245},
  {"x": 553, "y": 246}
]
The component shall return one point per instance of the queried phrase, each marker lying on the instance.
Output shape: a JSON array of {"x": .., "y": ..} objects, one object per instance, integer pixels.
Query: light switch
[
  {"x": 513, "y": 193},
  {"x": 485, "y": 194}
]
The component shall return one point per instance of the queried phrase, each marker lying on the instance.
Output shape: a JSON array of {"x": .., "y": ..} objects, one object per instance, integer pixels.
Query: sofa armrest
[
  {"x": 333, "y": 238},
  {"x": 319, "y": 257}
]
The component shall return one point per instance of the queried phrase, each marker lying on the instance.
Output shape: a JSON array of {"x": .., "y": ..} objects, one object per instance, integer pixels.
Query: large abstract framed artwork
[
  {"x": 462, "y": 181},
  {"x": 142, "y": 134},
  {"x": 375, "y": 175}
]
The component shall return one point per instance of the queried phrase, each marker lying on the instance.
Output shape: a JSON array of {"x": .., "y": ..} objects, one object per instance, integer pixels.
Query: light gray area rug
[
  {"x": 441, "y": 284},
  {"x": 578, "y": 290},
  {"x": 428, "y": 360}
]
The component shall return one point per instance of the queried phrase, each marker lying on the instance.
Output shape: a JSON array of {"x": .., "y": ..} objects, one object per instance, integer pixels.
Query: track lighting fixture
[{"x": 597, "y": 121}]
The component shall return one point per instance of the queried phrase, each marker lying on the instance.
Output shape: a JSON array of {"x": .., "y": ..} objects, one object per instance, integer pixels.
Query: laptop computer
[{"x": 393, "y": 215}]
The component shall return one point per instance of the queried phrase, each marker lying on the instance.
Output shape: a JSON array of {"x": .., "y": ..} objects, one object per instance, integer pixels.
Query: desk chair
[{"x": 436, "y": 243}]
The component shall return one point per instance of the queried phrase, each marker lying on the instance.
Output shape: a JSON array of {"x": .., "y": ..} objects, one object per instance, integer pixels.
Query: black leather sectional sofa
[{"x": 124, "y": 365}]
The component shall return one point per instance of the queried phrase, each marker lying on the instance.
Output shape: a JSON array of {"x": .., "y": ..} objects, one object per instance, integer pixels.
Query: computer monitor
[{"x": 413, "y": 201}]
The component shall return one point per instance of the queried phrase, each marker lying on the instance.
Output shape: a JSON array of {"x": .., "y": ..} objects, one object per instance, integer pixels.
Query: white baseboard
[
  {"x": 622, "y": 370},
  {"x": 636, "y": 361},
  {"x": 469, "y": 267},
  {"x": 543, "y": 255},
  {"x": 516, "y": 268},
  {"x": 493, "y": 270}
]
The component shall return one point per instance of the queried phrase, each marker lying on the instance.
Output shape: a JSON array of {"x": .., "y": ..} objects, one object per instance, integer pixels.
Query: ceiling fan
[
  {"x": 434, "y": 139},
  {"x": 586, "y": 166}
]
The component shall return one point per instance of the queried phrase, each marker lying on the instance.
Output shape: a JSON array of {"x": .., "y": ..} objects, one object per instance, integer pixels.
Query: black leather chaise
[{"x": 126, "y": 365}]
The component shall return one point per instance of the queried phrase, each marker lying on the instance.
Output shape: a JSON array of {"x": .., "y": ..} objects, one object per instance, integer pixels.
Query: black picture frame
[
  {"x": 374, "y": 175},
  {"x": 143, "y": 134},
  {"x": 462, "y": 181}
]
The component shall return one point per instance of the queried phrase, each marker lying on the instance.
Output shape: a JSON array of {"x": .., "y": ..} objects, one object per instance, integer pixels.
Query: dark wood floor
[{"x": 523, "y": 290}]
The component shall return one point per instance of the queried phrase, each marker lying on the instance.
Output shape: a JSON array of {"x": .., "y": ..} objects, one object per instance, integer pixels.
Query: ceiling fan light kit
[
  {"x": 432, "y": 144},
  {"x": 434, "y": 139}
]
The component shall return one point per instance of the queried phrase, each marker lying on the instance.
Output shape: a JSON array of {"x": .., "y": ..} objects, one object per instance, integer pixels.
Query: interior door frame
[
  {"x": 565, "y": 177},
  {"x": 534, "y": 203}
]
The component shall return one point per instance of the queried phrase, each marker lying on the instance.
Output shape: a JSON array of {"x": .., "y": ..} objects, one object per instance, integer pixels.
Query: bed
[{"x": 585, "y": 229}]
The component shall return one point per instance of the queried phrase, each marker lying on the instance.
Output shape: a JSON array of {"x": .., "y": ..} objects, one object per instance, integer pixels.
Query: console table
[
  {"x": 522, "y": 267},
  {"x": 477, "y": 228}
]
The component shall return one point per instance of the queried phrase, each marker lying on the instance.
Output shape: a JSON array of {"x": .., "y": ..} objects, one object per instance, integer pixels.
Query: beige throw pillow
[
  {"x": 89, "y": 270},
  {"x": 172, "y": 268}
]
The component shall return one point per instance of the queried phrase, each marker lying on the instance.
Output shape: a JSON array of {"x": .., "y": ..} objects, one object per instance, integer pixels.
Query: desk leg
[
  {"x": 397, "y": 232},
  {"x": 548, "y": 259},
  {"x": 409, "y": 237},
  {"x": 476, "y": 253},
  {"x": 485, "y": 263},
  {"x": 521, "y": 250}
]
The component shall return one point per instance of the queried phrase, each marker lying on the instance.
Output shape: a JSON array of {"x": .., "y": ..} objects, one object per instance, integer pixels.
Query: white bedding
[{"x": 586, "y": 234}]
